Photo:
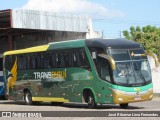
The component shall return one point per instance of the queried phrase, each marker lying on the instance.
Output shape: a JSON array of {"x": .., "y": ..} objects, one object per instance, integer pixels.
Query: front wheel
[
  {"x": 125, "y": 105},
  {"x": 28, "y": 98},
  {"x": 91, "y": 101}
]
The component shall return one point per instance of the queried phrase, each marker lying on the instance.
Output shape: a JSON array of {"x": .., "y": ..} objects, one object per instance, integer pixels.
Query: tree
[{"x": 148, "y": 37}]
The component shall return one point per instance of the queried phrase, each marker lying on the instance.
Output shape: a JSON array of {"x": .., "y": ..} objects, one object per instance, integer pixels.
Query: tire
[
  {"x": 57, "y": 103},
  {"x": 28, "y": 98},
  {"x": 124, "y": 105},
  {"x": 91, "y": 101}
]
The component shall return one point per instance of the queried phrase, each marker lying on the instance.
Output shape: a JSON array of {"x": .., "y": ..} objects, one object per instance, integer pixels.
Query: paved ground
[{"x": 153, "y": 105}]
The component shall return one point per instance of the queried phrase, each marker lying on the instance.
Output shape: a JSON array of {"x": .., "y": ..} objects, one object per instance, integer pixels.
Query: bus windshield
[{"x": 132, "y": 67}]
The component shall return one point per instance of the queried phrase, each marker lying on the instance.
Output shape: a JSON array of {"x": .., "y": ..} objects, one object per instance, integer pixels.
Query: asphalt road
[{"x": 78, "y": 108}]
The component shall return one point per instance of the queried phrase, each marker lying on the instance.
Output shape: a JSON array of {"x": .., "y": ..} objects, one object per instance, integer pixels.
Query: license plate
[{"x": 137, "y": 98}]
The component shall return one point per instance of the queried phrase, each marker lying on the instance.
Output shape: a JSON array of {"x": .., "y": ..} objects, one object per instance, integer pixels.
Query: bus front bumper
[{"x": 120, "y": 97}]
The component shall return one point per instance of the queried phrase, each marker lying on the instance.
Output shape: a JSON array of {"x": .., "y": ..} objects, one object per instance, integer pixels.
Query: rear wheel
[
  {"x": 125, "y": 105},
  {"x": 91, "y": 101},
  {"x": 28, "y": 98}
]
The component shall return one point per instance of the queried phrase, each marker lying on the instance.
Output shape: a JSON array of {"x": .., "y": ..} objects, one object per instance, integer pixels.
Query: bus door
[{"x": 105, "y": 71}]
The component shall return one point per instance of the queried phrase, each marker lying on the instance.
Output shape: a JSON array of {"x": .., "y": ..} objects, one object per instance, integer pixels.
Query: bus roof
[
  {"x": 67, "y": 44},
  {"x": 112, "y": 43},
  {"x": 27, "y": 50},
  {"x": 50, "y": 46},
  {"x": 99, "y": 42}
]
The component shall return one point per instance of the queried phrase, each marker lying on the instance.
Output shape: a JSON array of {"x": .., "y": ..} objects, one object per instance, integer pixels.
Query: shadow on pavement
[{"x": 73, "y": 105}]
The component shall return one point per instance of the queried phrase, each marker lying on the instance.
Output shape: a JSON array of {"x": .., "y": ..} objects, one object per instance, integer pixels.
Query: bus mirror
[
  {"x": 110, "y": 59},
  {"x": 94, "y": 55},
  {"x": 155, "y": 58}
]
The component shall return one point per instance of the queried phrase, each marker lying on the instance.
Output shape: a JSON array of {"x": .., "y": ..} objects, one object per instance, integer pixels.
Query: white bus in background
[
  {"x": 1, "y": 79},
  {"x": 155, "y": 69}
]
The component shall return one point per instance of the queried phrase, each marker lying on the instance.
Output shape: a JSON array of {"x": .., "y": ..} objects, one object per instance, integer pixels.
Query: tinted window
[
  {"x": 52, "y": 59},
  {"x": 32, "y": 61},
  {"x": 9, "y": 62},
  {"x": 80, "y": 58},
  {"x": 46, "y": 60},
  {"x": 22, "y": 62},
  {"x": 63, "y": 58},
  {"x": 119, "y": 55},
  {"x": 103, "y": 68},
  {"x": 1, "y": 64}
]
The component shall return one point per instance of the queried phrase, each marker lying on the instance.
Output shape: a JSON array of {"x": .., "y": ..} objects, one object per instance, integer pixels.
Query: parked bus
[
  {"x": 94, "y": 71},
  {"x": 1, "y": 79}
]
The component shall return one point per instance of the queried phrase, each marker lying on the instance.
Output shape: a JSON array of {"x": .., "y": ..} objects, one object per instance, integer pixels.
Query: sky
[{"x": 110, "y": 16}]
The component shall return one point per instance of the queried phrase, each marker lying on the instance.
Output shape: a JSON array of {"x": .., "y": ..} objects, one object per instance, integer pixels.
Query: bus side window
[
  {"x": 1, "y": 64},
  {"x": 46, "y": 60},
  {"x": 19, "y": 62},
  {"x": 32, "y": 61},
  {"x": 22, "y": 62},
  {"x": 63, "y": 59},
  {"x": 74, "y": 59},
  {"x": 84, "y": 59},
  {"x": 80, "y": 58},
  {"x": 40, "y": 61},
  {"x": 70, "y": 58},
  {"x": 9, "y": 62},
  {"x": 58, "y": 59},
  {"x": 66, "y": 59},
  {"x": 28, "y": 61},
  {"x": 53, "y": 59},
  {"x": 103, "y": 69}
]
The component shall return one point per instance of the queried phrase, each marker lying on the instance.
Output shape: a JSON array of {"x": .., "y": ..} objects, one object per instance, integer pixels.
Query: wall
[
  {"x": 155, "y": 75},
  {"x": 42, "y": 38},
  {"x": 3, "y": 44},
  {"x": 43, "y": 20}
]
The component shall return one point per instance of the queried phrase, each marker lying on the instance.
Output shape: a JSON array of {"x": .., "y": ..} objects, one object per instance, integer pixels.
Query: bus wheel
[
  {"x": 91, "y": 101},
  {"x": 28, "y": 98},
  {"x": 124, "y": 105}
]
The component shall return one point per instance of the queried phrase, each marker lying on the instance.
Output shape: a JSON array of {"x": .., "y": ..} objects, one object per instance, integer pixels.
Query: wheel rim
[
  {"x": 28, "y": 97},
  {"x": 90, "y": 101}
]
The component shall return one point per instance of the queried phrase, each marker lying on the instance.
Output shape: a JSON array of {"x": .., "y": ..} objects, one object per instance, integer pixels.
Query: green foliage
[{"x": 148, "y": 37}]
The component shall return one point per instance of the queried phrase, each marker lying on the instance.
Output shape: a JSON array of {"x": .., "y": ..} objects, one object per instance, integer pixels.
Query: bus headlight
[
  {"x": 120, "y": 99},
  {"x": 151, "y": 96}
]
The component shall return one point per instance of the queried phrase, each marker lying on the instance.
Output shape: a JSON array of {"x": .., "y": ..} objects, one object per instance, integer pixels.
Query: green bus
[{"x": 92, "y": 71}]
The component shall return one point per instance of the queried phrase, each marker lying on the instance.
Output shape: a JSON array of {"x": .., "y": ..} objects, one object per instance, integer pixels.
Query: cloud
[{"x": 73, "y": 6}]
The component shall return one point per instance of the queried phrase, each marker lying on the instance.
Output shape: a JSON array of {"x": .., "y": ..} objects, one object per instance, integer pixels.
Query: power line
[{"x": 127, "y": 21}]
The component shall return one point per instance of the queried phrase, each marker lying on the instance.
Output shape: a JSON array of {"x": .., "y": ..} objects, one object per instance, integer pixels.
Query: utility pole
[
  {"x": 102, "y": 34},
  {"x": 120, "y": 34}
]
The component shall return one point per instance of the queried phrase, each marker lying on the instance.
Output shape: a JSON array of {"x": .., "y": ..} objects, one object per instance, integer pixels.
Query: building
[{"x": 26, "y": 28}]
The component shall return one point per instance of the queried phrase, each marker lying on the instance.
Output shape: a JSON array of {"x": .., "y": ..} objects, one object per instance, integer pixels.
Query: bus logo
[
  {"x": 137, "y": 89},
  {"x": 137, "y": 55},
  {"x": 132, "y": 54},
  {"x": 137, "y": 93}
]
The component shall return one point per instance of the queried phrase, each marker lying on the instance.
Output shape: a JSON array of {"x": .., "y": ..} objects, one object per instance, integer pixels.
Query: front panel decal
[{"x": 12, "y": 76}]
